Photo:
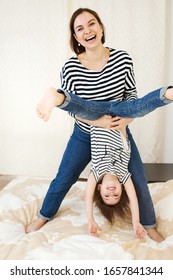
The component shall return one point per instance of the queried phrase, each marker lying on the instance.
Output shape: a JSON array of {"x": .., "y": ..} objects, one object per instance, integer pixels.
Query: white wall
[
  {"x": 32, "y": 52},
  {"x": 168, "y": 143},
  {"x": 33, "y": 48}
]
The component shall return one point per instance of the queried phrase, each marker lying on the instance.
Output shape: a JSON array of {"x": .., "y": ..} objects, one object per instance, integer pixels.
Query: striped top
[
  {"x": 110, "y": 153},
  {"x": 114, "y": 82}
]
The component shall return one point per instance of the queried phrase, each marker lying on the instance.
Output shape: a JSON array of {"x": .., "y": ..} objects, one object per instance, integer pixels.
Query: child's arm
[
  {"x": 92, "y": 225},
  {"x": 131, "y": 193}
]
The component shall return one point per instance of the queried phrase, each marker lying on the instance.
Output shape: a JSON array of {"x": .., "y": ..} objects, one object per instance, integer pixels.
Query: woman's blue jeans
[{"x": 76, "y": 157}]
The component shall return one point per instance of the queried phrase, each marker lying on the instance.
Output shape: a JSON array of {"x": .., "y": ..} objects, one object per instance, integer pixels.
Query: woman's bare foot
[
  {"x": 155, "y": 235},
  {"x": 35, "y": 225},
  {"x": 51, "y": 99},
  {"x": 169, "y": 94}
]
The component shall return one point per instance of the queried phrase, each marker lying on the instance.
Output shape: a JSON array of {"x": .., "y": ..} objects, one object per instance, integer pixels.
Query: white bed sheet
[{"x": 66, "y": 236}]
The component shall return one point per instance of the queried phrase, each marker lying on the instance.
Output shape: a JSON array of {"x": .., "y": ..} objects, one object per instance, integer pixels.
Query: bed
[{"x": 66, "y": 236}]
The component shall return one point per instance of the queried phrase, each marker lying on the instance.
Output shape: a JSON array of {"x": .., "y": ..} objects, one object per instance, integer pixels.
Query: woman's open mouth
[{"x": 88, "y": 39}]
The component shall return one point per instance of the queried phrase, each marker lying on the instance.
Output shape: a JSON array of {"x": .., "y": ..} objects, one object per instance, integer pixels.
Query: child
[
  {"x": 111, "y": 199},
  {"x": 92, "y": 110},
  {"x": 110, "y": 153}
]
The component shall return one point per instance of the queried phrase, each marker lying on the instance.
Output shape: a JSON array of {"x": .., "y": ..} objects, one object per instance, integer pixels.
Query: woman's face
[
  {"x": 88, "y": 32},
  {"x": 110, "y": 189}
]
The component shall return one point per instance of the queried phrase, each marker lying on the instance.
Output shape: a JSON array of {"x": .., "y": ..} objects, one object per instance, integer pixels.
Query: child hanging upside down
[{"x": 109, "y": 183}]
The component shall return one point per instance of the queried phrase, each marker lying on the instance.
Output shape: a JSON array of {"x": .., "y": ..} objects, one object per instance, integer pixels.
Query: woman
[{"x": 95, "y": 73}]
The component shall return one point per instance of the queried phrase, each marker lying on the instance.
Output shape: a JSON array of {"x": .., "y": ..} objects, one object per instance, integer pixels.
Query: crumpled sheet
[{"x": 66, "y": 236}]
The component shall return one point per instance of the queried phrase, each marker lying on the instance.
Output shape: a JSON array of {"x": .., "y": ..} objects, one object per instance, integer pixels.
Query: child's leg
[
  {"x": 143, "y": 106},
  {"x": 50, "y": 100},
  {"x": 169, "y": 94},
  {"x": 92, "y": 110}
]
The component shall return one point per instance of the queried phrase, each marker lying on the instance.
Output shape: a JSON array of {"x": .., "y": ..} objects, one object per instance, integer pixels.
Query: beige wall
[
  {"x": 34, "y": 46},
  {"x": 168, "y": 147}
]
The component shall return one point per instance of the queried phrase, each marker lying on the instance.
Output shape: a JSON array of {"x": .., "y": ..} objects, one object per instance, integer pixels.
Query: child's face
[{"x": 110, "y": 189}]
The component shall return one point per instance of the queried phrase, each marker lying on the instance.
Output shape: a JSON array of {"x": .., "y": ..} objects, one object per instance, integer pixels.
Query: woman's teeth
[{"x": 90, "y": 38}]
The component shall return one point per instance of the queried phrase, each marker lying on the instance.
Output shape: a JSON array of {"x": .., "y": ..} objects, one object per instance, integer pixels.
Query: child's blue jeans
[{"x": 92, "y": 110}]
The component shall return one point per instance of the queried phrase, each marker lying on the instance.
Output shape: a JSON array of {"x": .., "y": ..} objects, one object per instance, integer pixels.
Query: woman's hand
[
  {"x": 105, "y": 122},
  {"x": 109, "y": 122},
  {"x": 120, "y": 123}
]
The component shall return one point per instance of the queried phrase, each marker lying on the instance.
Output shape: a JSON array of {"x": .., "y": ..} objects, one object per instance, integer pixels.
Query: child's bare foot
[
  {"x": 35, "y": 225},
  {"x": 169, "y": 94},
  {"x": 155, "y": 235},
  {"x": 51, "y": 99}
]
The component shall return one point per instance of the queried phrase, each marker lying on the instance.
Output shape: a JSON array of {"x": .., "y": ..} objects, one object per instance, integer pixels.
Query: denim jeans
[
  {"x": 76, "y": 157},
  {"x": 78, "y": 154},
  {"x": 92, "y": 110}
]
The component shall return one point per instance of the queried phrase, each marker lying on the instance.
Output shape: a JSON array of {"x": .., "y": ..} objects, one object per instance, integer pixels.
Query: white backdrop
[{"x": 34, "y": 44}]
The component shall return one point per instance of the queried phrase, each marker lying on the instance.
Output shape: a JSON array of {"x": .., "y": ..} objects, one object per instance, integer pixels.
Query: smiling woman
[
  {"x": 89, "y": 33},
  {"x": 95, "y": 20}
]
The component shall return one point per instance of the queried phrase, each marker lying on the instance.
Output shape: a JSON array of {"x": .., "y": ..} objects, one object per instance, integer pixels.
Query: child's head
[
  {"x": 110, "y": 189},
  {"x": 111, "y": 198}
]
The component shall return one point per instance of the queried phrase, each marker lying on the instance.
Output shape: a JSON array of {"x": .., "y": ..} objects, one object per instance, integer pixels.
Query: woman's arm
[
  {"x": 130, "y": 92},
  {"x": 131, "y": 193},
  {"x": 89, "y": 194}
]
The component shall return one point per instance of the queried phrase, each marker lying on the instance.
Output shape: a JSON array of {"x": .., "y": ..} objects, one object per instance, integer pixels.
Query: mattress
[{"x": 66, "y": 236}]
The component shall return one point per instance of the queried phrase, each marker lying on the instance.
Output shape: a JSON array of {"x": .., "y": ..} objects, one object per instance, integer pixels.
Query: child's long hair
[{"x": 110, "y": 212}]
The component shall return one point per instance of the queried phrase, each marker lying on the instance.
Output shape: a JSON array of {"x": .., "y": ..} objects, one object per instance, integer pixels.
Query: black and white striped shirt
[
  {"x": 114, "y": 82},
  {"x": 110, "y": 153}
]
